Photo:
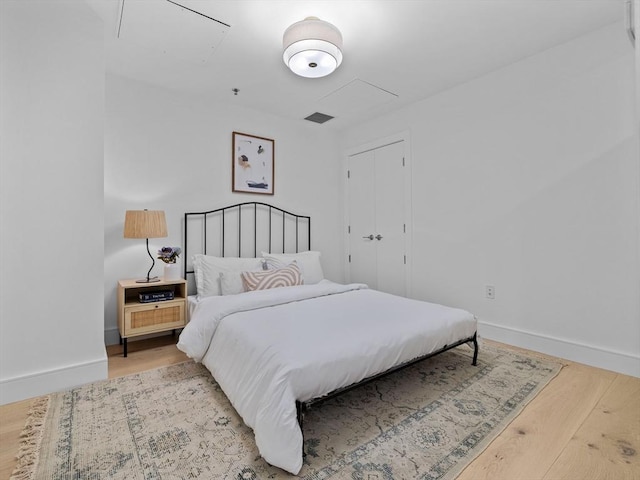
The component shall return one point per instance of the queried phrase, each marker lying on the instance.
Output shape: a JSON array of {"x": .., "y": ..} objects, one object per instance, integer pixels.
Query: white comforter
[{"x": 269, "y": 348}]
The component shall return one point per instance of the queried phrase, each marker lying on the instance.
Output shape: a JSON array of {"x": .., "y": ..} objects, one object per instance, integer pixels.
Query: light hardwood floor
[{"x": 585, "y": 425}]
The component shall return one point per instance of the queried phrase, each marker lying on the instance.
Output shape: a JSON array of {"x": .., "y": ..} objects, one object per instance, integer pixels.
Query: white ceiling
[{"x": 395, "y": 51}]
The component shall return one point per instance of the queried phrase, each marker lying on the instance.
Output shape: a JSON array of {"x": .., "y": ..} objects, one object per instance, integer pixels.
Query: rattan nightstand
[{"x": 137, "y": 318}]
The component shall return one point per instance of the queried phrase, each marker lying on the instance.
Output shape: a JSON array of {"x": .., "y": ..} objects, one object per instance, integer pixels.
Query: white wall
[
  {"x": 51, "y": 225},
  {"x": 528, "y": 179},
  {"x": 169, "y": 151}
]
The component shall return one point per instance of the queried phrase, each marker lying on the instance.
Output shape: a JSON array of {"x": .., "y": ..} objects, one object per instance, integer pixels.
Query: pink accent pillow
[{"x": 281, "y": 277}]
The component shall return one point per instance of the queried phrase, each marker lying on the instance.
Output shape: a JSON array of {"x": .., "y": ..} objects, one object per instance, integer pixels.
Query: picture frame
[{"x": 252, "y": 164}]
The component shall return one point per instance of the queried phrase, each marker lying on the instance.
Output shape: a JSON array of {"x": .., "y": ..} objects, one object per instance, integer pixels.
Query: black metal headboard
[{"x": 243, "y": 230}]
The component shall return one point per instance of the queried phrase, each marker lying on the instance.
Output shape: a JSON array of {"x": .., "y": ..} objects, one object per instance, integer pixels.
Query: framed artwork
[{"x": 252, "y": 164}]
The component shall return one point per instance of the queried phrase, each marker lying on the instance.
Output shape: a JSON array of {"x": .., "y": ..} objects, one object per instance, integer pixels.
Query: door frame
[{"x": 403, "y": 136}]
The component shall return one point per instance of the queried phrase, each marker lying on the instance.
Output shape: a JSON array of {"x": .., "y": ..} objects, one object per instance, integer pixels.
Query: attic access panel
[
  {"x": 171, "y": 28},
  {"x": 355, "y": 97}
]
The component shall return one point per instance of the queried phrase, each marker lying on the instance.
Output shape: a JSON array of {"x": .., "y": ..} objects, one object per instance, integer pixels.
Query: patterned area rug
[{"x": 428, "y": 421}]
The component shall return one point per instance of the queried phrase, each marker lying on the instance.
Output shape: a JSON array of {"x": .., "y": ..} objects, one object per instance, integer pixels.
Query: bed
[{"x": 276, "y": 352}]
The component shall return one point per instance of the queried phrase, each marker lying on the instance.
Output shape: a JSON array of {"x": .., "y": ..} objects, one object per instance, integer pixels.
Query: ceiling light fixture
[{"x": 312, "y": 48}]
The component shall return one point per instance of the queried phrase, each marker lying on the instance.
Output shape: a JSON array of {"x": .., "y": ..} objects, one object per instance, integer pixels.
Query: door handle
[
  {"x": 378, "y": 237},
  {"x": 370, "y": 237}
]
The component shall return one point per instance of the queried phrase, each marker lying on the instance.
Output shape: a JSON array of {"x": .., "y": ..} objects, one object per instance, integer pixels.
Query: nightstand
[{"x": 136, "y": 317}]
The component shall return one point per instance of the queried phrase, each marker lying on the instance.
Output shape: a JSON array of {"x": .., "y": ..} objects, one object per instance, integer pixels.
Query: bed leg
[
  {"x": 475, "y": 349},
  {"x": 300, "y": 409}
]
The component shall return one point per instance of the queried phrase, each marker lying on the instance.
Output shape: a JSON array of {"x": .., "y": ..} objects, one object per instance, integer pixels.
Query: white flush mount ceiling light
[{"x": 312, "y": 48}]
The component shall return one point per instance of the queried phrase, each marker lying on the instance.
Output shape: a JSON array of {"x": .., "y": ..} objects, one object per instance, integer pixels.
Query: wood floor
[{"x": 585, "y": 425}]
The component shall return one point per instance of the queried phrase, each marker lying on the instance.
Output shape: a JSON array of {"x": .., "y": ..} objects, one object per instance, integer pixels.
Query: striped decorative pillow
[{"x": 281, "y": 277}]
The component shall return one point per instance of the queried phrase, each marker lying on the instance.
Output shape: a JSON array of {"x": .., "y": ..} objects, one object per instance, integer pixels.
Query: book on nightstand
[{"x": 156, "y": 296}]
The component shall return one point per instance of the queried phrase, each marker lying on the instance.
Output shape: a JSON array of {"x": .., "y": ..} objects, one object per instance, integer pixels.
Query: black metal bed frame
[
  {"x": 258, "y": 210},
  {"x": 301, "y": 406}
]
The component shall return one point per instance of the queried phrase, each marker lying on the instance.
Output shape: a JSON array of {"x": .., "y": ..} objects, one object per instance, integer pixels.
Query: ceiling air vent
[{"x": 318, "y": 117}]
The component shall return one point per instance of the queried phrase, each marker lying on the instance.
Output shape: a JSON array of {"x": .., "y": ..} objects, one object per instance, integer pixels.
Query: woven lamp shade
[{"x": 145, "y": 224}]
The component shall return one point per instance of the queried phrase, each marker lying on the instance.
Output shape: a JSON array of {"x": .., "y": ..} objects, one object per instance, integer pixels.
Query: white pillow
[
  {"x": 309, "y": 263},
  {"x": 231, "y": 282},
  {"x": 208, "y": 268}
]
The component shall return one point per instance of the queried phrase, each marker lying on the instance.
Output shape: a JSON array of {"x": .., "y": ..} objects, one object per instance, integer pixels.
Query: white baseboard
[
  {"x": 47, "y": 381},
  {"x": 620, "y": 362},
  {"x": 111, "y": 336}
]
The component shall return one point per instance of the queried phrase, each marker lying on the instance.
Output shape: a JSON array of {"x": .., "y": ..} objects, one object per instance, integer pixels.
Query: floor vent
[{"x": 318, "y": 117}]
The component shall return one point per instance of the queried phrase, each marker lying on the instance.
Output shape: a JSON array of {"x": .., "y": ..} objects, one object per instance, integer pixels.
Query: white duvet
[{"x": 269, "y": 348}]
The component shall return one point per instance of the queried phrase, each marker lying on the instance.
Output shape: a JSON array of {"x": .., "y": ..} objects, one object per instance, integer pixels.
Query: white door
[
  {"x": 376, "y": 211},
  {"x": 362, "y": 244}
]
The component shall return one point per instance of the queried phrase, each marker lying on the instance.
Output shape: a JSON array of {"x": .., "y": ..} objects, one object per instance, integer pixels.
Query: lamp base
[{"x": 148, "y": 280}]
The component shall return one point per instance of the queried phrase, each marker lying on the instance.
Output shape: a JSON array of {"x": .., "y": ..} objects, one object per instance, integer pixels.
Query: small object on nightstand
[
  {"x": 159, "y": 296},
  {"x": 164, "y": 311},
  {"x": 169, "y": 255}
]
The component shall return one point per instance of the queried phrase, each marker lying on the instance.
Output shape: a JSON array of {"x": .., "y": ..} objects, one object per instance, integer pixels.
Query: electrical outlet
[{"x": 490, "y": 291}]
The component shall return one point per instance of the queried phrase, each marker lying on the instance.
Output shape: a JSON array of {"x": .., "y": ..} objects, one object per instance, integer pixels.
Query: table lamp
[{"x": 145, "y": 224}]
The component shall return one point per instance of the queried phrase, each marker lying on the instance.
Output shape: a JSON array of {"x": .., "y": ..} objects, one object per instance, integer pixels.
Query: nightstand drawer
[{"x": 159, "y": 316}]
